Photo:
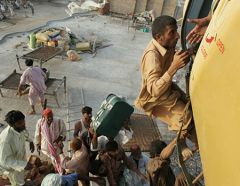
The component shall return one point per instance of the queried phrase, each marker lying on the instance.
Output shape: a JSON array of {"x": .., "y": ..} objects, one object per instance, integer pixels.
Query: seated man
[
  {"x": 84, "y": 124},
  {"x": 116, "y": 161},
  {"x": 50, "y": 132},
  {"x": 141, "y": 161},
  {"x": 159, "y": 170},
  {"x": 35, "y": 78},
  {"x": 13, "y": 163},
  {"x": 158, "y": 96},
  {"x": 79, "y": 163}
]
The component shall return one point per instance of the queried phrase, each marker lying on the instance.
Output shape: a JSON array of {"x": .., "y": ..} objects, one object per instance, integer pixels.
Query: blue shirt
[{"x": 69, "y": 180}]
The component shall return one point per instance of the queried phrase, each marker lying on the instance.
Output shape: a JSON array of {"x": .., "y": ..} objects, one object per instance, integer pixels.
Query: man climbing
[{"x": 159, "y": 97}]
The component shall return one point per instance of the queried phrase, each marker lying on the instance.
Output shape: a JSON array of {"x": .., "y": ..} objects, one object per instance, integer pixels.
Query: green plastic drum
[{"x": 32, "y": 40}]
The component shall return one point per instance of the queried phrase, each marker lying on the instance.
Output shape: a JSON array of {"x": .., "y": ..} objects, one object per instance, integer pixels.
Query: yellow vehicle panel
[{"x": 215, "y": 95}]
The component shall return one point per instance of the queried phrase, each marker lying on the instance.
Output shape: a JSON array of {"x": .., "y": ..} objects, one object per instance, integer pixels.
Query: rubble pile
[{"x": 67, "y": 41}]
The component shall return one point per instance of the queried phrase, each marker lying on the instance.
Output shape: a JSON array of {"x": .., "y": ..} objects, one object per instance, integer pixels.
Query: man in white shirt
[
  {"x": 13, "y": 162},
  {"x": 50, "y": 132}
]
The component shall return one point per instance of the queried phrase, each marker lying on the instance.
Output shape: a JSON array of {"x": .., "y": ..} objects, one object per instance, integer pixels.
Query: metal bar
[
  {"x": 197, "y": 178},
  {"x": 83, "y": 100},
  {"x": 74, "y": 112},
  {"x": 60, "y": 84},
  {"x": 74, "y": 120},
  {"x": 41, "y": 62},
  {"x": 56, "y": 98},
  {"x": 18, "y": 62},
  {"x": 65, "y": 85},
  {"x": 73, "y": 106},
  {"x": 1, "y": 92},
  {"x": 179, "y": 149},
  {"x": 69, "y": 153}
]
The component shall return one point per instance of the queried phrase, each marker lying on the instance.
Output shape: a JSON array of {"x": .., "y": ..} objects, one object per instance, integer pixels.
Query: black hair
[
  {"x": 156, "y": 147},
  {"x": 111, "y": 146},
  {"x": 98, "y": 168},
  {"x": 44, "y": 70},
  {"x": 29, "y": 62},
  {"x": 87, "y": 110},
  {"x": 160, "y": 23},
  {"x": 13, "y": 116}
]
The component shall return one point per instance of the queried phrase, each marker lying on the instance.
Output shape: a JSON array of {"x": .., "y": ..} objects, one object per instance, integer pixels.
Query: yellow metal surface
[{"x": 215, "y": 95}]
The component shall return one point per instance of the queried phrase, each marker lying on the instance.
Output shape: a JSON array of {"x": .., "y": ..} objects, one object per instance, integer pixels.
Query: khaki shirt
[
  {"x": 159, "y": 171},
  {"x": 156, "y": 82}
]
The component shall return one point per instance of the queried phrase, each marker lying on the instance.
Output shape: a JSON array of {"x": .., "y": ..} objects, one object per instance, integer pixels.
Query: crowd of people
[{"x": 105, "y": 160}]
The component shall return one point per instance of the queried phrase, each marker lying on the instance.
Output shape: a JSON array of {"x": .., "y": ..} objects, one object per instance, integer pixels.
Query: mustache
[{"x": 21, "y": 129}]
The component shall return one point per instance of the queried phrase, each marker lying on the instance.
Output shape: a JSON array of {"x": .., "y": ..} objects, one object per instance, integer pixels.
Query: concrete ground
[
  {"x": 113, "y": 70},
  {"x": 44, "y": 12}
]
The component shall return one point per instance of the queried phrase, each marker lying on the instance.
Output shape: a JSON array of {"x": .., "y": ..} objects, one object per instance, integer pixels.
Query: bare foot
[{"x": 31, "y": 112}]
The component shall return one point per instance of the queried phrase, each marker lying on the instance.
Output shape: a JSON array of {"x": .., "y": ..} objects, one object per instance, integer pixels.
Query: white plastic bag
[{"x": 73, "y": 55}]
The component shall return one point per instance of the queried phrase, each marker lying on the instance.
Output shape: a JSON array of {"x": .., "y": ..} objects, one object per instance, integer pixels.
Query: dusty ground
[{"x": 114, "y": 69}]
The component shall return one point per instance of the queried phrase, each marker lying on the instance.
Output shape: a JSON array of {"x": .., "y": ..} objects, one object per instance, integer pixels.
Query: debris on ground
[
  {"x": 83, "y": 46},
  {"x": 143, "y": 21},
  {"x": 52, "y": 37},
  {"x": 73, "y": 55},
  {"x": 77, "y": 7},
  {"x": 146, "y": 16},
  {"x": 67, "y": 41}
]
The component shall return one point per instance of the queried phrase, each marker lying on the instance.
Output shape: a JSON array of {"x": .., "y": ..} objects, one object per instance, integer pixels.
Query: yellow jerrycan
[{"x": 215, "y": 96}]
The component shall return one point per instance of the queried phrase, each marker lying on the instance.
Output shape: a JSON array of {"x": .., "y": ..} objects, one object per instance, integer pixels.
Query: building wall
[
  {"x": 156, "y": 5},
  {"x": 141, "y": 6},
  {"x": 169, "y": 7},
  {"x": 161, "y": 7},
  {"x": 123, "y": 6}
]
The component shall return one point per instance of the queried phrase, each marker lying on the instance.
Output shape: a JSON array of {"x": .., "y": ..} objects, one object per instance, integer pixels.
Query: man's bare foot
[{"x": 31, "y": 112}]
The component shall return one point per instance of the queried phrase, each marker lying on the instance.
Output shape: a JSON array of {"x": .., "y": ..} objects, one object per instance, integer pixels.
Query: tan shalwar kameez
[{"x": 157, "y": 96}]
